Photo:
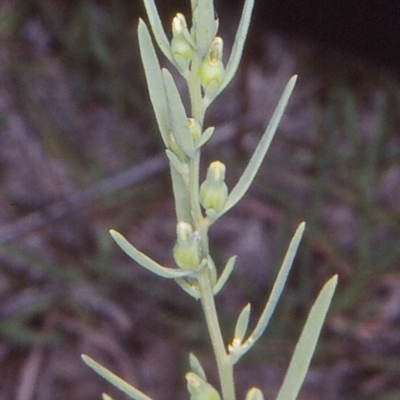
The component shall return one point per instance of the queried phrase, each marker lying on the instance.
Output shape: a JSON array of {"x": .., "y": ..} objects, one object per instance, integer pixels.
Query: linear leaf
[
  {"x": 226, "y": 273},
  {"x": 193, "y": 4},
  {"x": 242, "y": 323},
  {"x": 205, "y": 137},
  {"x": 177, "y": 115},
  {"x": 119, "y": 383},
  {"x": 305, "y": 347},
  {"x": 275, "y": 293},
  {"x": 196, "y": 367},
  {"x": 144, "y": 260},
  {"x": 191, "y": 291},
  {"x": 158, "y": 30},
  {"x": 255, "y": 162},
  {"x": 154, "y": 80},
  {"x": 180, "y": 166},
  {"x": 237, "y": 48},
  {"x": 182, "y": 196},
  {"x": 205, "y": 30}
]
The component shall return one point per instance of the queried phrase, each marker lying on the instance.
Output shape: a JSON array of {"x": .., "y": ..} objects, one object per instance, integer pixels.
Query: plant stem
[
  {"x": 224, "y": 364},
  {"x": 225, "y": 367},
  {"x": 194, "y": 171},
  {"x": 194, "y": 87}
]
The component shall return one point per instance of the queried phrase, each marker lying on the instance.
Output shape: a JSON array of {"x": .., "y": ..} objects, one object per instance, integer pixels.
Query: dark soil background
[{"x": 80, "y": 154}]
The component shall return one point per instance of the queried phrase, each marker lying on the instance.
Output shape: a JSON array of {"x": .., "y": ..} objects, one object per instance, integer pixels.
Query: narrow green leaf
[
  {"x": 255, "y": 162},
  {"x": 119, "y": 383},
  {"x": 182, "y": 197},
  {"x": 306, "y": 345},
  {"x": 154, "y": 80},
  {"x": 180, "y": 167},
  {"x": 226, "y": 273},
  {"x": 106, "y": 397},
  {"x": 275, "y": 293},
  {"x": 158, "y": 30},
  {"x": 194, "y": 4},
  {"x": 238, "y": 45},
  {"x": 212, "y": 270},
  {"x": 279, "y": 283},
  {"x": 205, "y": 137},
  {"x": 242, "y": 324},
  {"x": 205, "y": 30},
  {"x": 144, "y": 260},
  {"x": 177, "y": 115},
  {"x": 196, "y": 367},
  {"x": 190, "y": 290}
]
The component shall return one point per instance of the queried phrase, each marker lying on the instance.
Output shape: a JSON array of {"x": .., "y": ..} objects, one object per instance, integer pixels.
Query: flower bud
[
  {"x": 186, "y": 250},
  {"x": 254, "y": 394},
  {"x": 213, "y": 191},
  {"x": 181, "y": 49},
  {"x": 212, "y": 69},
  {"x": 179, "y": 25},
  {"x": 216, "y": 50},
  {"x": 199, "y": 389}
]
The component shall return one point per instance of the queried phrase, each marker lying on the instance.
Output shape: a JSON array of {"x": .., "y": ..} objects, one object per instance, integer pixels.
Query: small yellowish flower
[
  {"x": 213, "y": 191},
  {"x": 187, "y": 249},
  {"x": 212, "y": 69},
  {"x": 181, "y": 49}
]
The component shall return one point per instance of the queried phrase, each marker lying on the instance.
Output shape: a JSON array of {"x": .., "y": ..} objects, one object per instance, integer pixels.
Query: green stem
[
  {"x": 224, "y": 364},
  {"x": 194, "y": 87},
  {"x": 194, "y": 172}
]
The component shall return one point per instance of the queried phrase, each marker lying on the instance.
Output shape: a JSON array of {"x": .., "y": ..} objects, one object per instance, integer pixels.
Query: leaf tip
[
  {"x": 141, "y": 25},
  {"x": 86, "y": 359},
  {"x": 300, "y": 229},
  {"x": 334, "y": 279},
  {"x": 114, "y": 233}
]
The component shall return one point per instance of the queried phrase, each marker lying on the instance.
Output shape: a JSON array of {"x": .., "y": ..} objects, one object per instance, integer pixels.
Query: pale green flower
[
  {"x": 212, "y": 69},
  {"x": 186, "y": 250},
  {"x": 213, "y": 191},
  {"x": 181, "y": 48}
]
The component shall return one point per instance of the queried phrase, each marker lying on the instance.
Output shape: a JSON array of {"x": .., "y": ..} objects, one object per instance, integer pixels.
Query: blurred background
[{"x": 80, "y": 154}]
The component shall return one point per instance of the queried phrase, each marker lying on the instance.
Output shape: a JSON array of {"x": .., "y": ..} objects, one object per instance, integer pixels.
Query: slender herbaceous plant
[{"x": 195, "y": 50}]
